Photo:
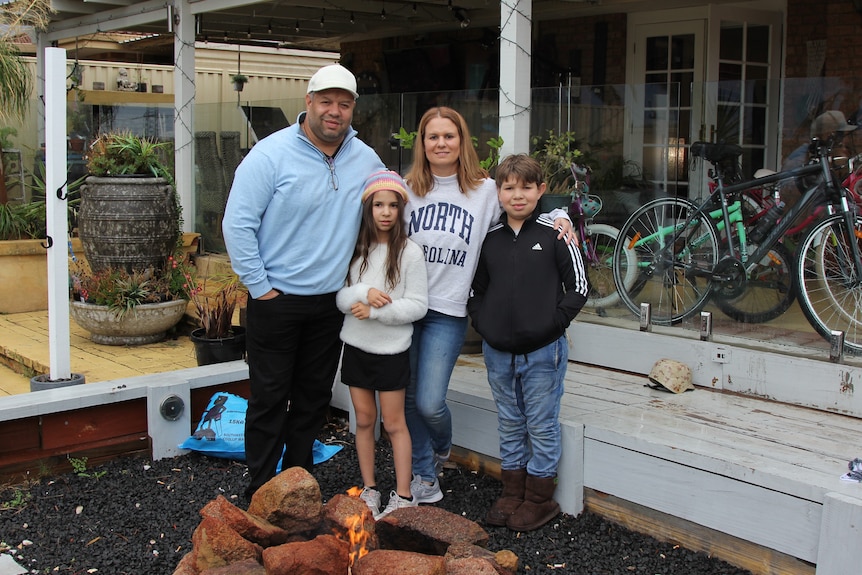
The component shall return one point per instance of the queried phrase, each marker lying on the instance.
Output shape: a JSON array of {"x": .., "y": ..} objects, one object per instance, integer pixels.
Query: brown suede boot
[
  {"x": 538, "y": 507},
  {"x": 511, "y": 498}
]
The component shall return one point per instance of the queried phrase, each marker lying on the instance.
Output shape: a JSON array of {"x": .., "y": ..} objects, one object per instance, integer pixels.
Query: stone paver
[{"x": 24, "y": 345}]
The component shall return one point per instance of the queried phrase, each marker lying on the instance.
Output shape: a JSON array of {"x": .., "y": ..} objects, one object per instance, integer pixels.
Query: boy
[{"x": 528, "y": 287}]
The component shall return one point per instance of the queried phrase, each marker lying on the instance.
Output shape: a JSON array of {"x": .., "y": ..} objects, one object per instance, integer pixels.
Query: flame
[
  {"x": 358, "y": 537},
  {"x": 356, "y": 533}
]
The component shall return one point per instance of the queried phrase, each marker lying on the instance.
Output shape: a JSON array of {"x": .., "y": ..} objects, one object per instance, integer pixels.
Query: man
[{"x": 290, "y": 227}]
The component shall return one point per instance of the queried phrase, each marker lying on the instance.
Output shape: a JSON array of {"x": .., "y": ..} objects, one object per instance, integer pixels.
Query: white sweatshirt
[
  {"x": 389, "y": 330},
  {"x": 450, "y": 227}
]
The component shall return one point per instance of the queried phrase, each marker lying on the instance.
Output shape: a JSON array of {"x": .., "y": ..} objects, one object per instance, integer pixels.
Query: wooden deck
[{"x": 752, "y": 481}]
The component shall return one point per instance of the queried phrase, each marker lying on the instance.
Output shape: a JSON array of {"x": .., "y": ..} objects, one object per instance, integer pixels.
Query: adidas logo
[{"x": 537, "y": 247}]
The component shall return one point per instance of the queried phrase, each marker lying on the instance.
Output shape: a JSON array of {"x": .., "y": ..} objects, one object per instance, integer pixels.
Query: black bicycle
[{"x": 686, "y": 254}]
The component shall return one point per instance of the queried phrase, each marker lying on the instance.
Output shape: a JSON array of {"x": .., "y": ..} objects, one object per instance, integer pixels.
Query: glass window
[
  {"x": 731, "y": 41},
  {"x": 656, "y": 53},
  {"x": 757, "y": 44},
  {"x": 655, "y": 126},
  {"x": 682, "y": 52}
]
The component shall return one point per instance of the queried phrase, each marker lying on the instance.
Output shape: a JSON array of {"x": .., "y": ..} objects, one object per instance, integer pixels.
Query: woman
[{"x": 452, "y": 203}]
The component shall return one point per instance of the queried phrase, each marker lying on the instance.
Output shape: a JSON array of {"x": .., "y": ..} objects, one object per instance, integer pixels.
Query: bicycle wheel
[
  {"x": 769, "y": 291},
  {"x": 830, "y": 293},
  {"x": 603, "y": 291},
  {"x": 674, "y": 261}
]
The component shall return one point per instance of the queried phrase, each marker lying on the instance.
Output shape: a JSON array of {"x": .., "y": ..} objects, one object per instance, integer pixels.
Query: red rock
[
  {"x": 290, "y": 500},
  {"x": 216, "y": 544},
  {"x": 187, "y": 566},
  {"x": 339, "y": 513},
  {"x": 323, "y": 555},
  {"x": 470, "y": 566},
  {"x": 246, "y": 567},
  {"x": 428, "y": 530},
  {"x": 250, "y": 526},
  {"x": 387, "y": 562}
]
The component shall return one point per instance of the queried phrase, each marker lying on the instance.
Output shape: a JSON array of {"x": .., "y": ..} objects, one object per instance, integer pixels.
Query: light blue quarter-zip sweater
[{"x": 293, "y": 214}]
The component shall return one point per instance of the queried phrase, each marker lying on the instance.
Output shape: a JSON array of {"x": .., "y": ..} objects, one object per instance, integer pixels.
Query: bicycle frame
[
  {"x": 734, "y": 217},
  {"x": 808, "y": 199}
]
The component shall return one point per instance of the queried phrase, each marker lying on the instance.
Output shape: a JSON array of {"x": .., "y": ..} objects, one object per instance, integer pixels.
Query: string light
[
  {"x": 382, "y": 11},
  {"x": 449, "y": 5},
  {"x": 414, "y": 8},
  {"x": 297, "y": 26},
  {"x": 248, "y": 33},
  {"x": 352, "y": 19},
  {"x": 323, "y": 18},
  {"x": 269, "y": 27}
]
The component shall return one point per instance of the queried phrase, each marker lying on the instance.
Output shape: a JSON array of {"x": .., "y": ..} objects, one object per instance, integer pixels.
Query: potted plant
[
  {"x": 23, "y": 268},
  {"x": 556, "y": 153},
  {"x": 122, "y": 307},
  {"x": 239, "y": 81},
  {"x": 129, "y": 213},
  {"x": 216, "y": 339}
]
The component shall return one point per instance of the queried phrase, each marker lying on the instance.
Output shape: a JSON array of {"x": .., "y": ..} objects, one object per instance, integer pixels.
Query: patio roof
[{"x": 308, "y": 24}]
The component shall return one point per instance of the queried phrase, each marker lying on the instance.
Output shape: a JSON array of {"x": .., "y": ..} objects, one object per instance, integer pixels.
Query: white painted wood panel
[{"x": 766, "y": 517}]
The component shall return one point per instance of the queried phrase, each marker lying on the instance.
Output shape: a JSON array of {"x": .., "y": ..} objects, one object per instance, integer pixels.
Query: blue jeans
[
  {"x": 437, "y": 341},
  {"x": 527, "y": 389}
]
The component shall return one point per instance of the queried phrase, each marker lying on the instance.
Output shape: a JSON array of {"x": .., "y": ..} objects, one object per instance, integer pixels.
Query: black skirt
[{"x": 373, "y": 371}]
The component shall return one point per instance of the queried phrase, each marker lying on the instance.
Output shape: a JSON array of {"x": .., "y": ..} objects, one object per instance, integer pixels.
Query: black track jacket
[{"x": 527, "y": 288}]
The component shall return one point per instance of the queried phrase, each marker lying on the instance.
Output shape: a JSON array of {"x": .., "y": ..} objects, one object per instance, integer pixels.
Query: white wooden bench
[{"x": 761, "y": 472}]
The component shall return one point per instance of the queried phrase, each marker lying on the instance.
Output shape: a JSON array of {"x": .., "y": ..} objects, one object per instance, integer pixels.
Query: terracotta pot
[{"x": 145, "y": 323}]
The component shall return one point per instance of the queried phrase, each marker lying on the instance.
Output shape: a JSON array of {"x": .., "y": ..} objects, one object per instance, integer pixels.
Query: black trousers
[{"x": 293, "y": 350}]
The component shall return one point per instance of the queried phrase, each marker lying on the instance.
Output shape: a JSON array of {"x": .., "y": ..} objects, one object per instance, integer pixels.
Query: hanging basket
[{"x": 238, "y": 86}]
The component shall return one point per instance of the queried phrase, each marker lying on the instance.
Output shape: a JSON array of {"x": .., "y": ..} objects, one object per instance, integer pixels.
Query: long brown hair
[
  {"x": 368, "y": 238},
  {"x": 470, "y": 173}
]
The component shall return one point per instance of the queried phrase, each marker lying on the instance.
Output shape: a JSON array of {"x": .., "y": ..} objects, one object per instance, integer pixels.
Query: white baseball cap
[{"x": 331, "y": 77}]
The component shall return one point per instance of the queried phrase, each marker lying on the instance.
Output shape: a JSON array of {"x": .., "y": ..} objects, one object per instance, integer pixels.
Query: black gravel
[{"x": 134, "y": 516}]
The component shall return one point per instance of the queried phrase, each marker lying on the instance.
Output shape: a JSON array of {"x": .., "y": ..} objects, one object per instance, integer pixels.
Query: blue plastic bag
[{"x": 221, "y": 431}]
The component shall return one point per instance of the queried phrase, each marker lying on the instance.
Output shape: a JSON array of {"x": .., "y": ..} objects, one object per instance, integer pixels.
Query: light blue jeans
[
  {"x": 527, "y": 389},
  {"x": 437, "y": 342}
]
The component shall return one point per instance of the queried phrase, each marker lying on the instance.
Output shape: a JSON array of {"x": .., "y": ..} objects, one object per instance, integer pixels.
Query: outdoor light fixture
[
  {"x": 382, "y": 11},
  {"x": 323, "y": 19},
  {"x": 462, "y": 18},
  {"x": 352, "y": 19},
  {"x": 297, "y": 26},
  {"x": 172, "y": 407}
]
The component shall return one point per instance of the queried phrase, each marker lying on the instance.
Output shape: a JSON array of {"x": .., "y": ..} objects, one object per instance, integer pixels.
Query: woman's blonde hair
[{"x": 470, "y": 173}]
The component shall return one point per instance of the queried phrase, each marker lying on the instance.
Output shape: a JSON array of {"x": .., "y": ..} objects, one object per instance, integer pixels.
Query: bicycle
[
  {"x": 770, "y": 288},
  {"x": 597, "y": 243},
  {"x": 680, "y": 263}
]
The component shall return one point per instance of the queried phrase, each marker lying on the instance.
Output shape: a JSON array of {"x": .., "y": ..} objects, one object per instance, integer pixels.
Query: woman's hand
[
  {"x": 566, "y": 231},
  {"x": 377, "y": 298}
]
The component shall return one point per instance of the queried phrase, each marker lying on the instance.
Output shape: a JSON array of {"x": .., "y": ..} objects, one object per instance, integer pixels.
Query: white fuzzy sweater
[{"x": 390, "y": 328}]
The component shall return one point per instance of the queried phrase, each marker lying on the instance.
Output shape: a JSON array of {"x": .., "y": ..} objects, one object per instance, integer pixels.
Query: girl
[
  {"x": 453, "y": 202},
  {"x": 386, "y": 291}
]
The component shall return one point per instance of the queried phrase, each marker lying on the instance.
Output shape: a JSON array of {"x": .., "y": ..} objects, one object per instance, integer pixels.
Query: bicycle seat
[
  {"x": 715, "y": 153},
  {"x": 763, "y": 172}
]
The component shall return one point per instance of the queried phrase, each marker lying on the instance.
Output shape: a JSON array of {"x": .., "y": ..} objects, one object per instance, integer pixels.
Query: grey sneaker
[
  {"x": 395, "y": 502},
  {"x": 371, "y": 497},
  {"x": 423, "y": 492}
]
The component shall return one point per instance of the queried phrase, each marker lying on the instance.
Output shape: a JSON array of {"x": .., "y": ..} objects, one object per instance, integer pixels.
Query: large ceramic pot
[
  {"x": 219, "y": 350},
  {"x": 145, "y": 323},
  {"x": 127, "y": 222}
]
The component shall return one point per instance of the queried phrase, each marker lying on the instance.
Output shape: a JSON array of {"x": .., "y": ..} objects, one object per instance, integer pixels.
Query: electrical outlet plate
[{"x": 721, "y": 355}]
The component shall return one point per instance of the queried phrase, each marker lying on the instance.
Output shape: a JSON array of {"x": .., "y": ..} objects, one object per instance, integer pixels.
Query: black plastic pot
[{"x": 209, "y": 351}]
